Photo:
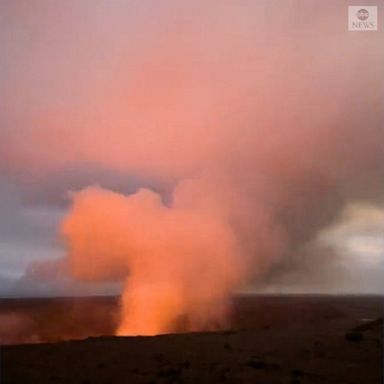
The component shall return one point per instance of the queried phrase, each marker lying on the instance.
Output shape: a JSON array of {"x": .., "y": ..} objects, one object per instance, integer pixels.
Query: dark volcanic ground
[{"x": 274, "y": 339}]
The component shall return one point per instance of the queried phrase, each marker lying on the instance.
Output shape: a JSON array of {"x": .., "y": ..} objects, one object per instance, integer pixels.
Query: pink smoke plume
[
  {"x": 179, "y": 261},
  {"x": 264, "y": 126}
]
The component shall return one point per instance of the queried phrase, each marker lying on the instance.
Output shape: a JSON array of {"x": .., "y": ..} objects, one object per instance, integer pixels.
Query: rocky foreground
[
  {"x": 297, "y": 353},
  {"x": 295, "y": 341}
]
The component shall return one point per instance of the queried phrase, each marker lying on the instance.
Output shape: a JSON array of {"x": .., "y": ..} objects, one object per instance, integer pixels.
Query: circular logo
[{"x": 362, "y": 14}]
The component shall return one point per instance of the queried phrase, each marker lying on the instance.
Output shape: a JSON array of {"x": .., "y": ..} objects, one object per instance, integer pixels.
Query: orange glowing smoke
[
  {"x": 205, "y": 93},
  {"x": 177, "y": 261}
]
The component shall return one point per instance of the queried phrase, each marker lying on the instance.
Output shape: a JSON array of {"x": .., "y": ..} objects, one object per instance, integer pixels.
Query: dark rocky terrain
[{"x": 273, "y": 339}]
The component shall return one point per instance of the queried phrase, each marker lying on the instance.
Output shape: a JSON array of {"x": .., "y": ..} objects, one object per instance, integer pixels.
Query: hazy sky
[{"x": 128, "y": 94}]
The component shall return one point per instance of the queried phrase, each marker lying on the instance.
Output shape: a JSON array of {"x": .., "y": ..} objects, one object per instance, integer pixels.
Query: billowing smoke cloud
[
  {"x": 180, "y": 260},
  {"x": 263, "y": 118}
]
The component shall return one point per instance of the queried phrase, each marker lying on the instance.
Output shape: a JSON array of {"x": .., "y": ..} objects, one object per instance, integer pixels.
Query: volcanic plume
[
  {"x": 178, "y": 261},
  {"x": 259, "y": 136}
]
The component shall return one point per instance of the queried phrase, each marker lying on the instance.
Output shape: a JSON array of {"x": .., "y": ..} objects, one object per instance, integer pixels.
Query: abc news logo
[{"x": 362, "y": 18}]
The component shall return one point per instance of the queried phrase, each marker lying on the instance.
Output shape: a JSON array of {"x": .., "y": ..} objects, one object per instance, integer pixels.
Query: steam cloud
[{"x": 263, "y": 134}]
